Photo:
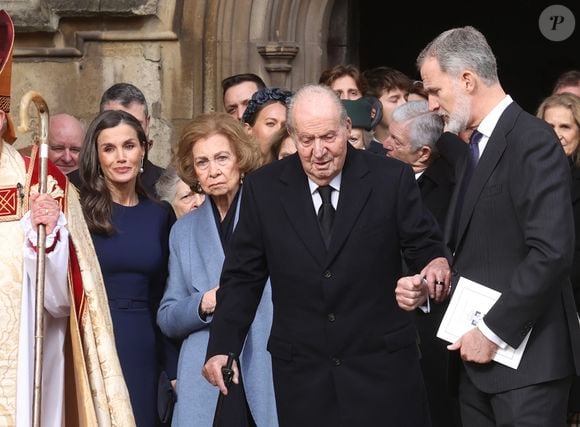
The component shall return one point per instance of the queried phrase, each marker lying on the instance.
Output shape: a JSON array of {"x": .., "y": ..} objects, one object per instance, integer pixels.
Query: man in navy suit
[
  {"x": 343, "y": 352},
  {"x": 509, "y": 228}
]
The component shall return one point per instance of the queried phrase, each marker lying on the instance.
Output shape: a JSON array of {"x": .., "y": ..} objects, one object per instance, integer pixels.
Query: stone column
[{"x": 278, "y": 57}]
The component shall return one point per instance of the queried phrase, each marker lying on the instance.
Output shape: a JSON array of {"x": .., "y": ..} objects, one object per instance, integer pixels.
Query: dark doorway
[{"x": 393, "y": 33}]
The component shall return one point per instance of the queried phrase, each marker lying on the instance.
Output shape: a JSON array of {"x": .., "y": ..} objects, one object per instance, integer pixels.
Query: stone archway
[
  {"x": 176, "y": 51},
  {"x": 284, "y": 41}
]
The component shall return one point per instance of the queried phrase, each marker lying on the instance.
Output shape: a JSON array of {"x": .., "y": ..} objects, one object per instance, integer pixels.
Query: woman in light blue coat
[{"x": 215, "y": 151}]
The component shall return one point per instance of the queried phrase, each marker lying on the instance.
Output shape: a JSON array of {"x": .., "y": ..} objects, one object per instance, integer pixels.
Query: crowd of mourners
[{"x": 167, "y": 239}]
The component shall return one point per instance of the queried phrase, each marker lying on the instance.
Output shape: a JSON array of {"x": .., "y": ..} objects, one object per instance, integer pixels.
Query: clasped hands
[
  {"x": 44, "y": 210},
  {"x": 433, "y": 281}
]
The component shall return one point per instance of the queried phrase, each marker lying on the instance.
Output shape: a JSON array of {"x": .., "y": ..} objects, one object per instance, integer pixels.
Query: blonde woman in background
[{"x": 563, "y": 113}]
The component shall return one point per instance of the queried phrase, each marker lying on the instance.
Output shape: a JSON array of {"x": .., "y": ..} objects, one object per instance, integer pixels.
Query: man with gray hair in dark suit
[
  {"x": 329, "y": 225},
  {"x": 509, "y": 228}
]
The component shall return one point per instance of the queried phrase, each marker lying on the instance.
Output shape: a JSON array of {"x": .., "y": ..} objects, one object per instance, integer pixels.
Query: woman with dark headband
[{"x": 264, "y": 116}]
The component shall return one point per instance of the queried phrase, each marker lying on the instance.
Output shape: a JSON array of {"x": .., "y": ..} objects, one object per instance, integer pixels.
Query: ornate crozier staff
[{"x": 42, "y": 108}]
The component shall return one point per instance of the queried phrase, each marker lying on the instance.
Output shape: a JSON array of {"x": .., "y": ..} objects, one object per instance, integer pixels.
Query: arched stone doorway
[
  {"x": 176, "y": 51},
  {"x": 284, "y": 41}
]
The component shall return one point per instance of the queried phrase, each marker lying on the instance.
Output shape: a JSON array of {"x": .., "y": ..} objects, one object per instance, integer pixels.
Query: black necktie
[
  {"x": 472, "y": 160},
  {"x": 326, "y": 213}
]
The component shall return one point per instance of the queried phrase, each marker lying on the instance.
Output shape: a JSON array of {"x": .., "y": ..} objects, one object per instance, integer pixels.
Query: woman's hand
[{"x": 208, "y": 302}]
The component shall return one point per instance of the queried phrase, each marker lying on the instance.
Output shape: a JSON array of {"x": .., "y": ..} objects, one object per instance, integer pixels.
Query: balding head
[
  {"x": 65, "y": 139},
  {"x": 320, "y": 126},
  {"x": 309, "y": 98}
]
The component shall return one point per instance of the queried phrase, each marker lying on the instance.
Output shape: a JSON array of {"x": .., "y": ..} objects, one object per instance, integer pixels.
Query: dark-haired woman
[{"x": 131, "y": 234}]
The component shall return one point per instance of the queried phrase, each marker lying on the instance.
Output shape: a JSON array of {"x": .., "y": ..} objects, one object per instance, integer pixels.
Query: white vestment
[
  {"x": 79, "y": 344},
  {"x": 57, "y": 309},
  {"x": 17, "y": 284}
]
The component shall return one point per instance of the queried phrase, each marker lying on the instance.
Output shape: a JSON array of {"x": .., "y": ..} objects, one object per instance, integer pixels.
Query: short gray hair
[
  {"x": 425, "y": 127},
  {"x": 459, "y": 49},
  {"x": 166, "y": 185},
  {"x": 316, "y": 92}
]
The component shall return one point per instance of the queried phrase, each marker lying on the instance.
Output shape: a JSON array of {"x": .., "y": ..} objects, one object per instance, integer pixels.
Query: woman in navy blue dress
[{"x": 130, "y": 233}]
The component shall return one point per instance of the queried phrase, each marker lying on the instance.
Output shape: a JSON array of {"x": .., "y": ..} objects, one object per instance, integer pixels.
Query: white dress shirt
[{"x": 317, "y": 200}]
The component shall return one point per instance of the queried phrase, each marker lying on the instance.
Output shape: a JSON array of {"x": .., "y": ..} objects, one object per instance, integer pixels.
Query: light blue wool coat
[{"x": 195, "y": 264}]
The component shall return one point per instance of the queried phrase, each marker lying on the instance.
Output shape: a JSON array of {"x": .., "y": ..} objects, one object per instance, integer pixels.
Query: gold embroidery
[
  {"x": 8, "y": 201},
  {"x": 52, "y": 188}
]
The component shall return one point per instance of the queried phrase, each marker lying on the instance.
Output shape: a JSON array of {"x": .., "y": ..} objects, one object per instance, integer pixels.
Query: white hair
[
  {"x": 317, "y": 92},
  {"x": 425, "y": 127}
]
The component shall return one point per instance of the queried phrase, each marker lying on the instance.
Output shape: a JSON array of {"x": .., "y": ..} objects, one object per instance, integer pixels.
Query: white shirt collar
[
  {"x": 334, "y": 183},
  {"x": 489, "y": 122}
]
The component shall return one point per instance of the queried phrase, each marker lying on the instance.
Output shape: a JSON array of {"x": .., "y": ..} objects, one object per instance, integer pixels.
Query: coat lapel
[
  {"x": 494, "y": 150},
  {"x": 450, "y": 221},
  {"x": 297, "y": 202},
  {"x": 212, "y": 252},
  {"x": 354, "y": 192}
]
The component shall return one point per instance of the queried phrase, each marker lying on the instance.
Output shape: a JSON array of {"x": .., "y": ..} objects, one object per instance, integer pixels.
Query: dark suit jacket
[
  {"x": 574, "y": 401},
  {"x": 515, "y": 234},
  {"x": 376, "y": 147},
  {"x": 436, "y": 185},
  {"x": 575, "y": 275},
  {"x": 343, "y": 353},
  {"x": 452, "y": 149}
]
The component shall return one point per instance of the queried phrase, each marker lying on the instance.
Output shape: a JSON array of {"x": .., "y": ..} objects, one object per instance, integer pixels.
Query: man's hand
[
  {"x": 44, "y": 210},
  {"x": 475, "y": 347},
  {"x": 212, "y": 372},
  {"x": 438, "y": 278},
  {"x": 411, "y": 292}
]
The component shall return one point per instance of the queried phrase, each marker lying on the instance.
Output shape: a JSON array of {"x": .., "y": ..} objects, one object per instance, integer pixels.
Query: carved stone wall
[{"x": 176, "y": 51}]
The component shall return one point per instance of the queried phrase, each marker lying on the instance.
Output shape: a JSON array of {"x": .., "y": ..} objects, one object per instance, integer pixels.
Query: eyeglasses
[{"x": 223, "y": 159}]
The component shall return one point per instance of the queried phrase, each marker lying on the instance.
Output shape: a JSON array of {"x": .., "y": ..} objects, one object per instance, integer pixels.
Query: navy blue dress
[{"x": 134, "y": 262}]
